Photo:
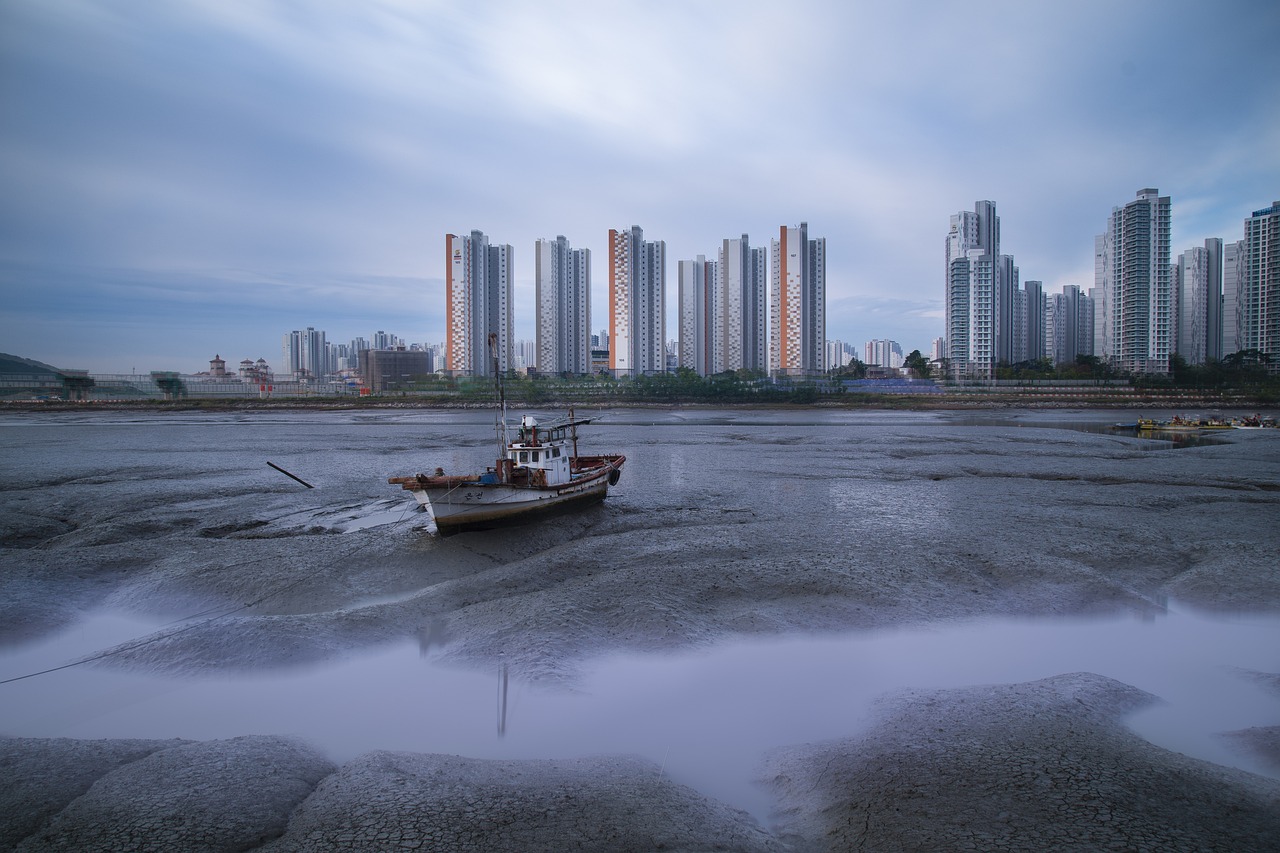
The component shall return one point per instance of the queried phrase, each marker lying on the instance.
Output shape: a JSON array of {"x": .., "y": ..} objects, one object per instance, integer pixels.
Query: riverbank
[{"x": 971, "y": 401}]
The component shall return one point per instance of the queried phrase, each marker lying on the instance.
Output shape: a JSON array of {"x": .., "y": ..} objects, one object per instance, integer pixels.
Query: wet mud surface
[{"x": 725, "y": 524}]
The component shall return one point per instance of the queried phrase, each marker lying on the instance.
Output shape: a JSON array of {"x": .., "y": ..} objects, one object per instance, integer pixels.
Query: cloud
[
  {"x": 163, "y": 317},
  {"x": 339, "y": 142}
]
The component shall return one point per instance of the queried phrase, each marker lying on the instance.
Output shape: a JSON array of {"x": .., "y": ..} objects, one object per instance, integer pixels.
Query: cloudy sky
[{"x": 179, "y": 179}]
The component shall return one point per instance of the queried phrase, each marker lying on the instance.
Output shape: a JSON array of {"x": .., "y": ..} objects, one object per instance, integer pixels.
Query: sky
[{"x": 200, "y": 177}]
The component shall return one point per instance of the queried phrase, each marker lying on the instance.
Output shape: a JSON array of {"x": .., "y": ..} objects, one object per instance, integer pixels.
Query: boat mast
[
  {"x": 501, "y": 427},
  {"x": 573, "y": 431}
]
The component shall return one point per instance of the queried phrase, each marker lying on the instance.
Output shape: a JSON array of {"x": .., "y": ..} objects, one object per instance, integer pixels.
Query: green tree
[
  {"x": 918, "y": 365},
  {"x": 1184, "y": 375},
  {"x": 855, "y": 369},
  {"x": 1091, "y": 366}
]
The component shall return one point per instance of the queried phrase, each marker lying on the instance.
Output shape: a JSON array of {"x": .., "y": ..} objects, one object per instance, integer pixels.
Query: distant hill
[{"x": 16, "y": 364}]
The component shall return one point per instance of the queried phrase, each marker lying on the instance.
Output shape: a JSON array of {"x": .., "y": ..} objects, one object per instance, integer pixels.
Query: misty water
[{"x": 128, "y": 528}]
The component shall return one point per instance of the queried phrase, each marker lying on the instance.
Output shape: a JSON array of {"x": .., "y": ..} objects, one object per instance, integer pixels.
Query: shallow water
[
  {"x": 704, "y": 717},
  {"x": 757, "y": 579}
]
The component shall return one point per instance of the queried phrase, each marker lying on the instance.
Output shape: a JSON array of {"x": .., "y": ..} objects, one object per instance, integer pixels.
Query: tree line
[{"x": 1247, "y": 371}]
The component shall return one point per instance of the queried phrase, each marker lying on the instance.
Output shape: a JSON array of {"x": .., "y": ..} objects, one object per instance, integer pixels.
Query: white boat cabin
[{"x": 547, "y": 449}]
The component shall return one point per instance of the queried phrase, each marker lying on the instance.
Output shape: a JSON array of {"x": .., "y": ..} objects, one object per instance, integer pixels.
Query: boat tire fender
[{"x": 614, "y": 476}]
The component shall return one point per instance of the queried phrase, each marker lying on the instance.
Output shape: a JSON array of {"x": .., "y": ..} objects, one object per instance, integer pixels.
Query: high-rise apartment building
[
  {"x": 1010, "y": 335},
  {"x": 980, "y": 301},
  {"x": 1031, "y": 341},
  {"x": 698, "y": 286},
  {"x": 525, "y": 354},
  {"x": 357, "y": 346},
  {"x": 798, "y": 303},
  {"x": 1233, "y": 274},
  {"x": 305, "y": 354},
  {"x": 882, "y": 353},
  {"x": 637, "y": 300},
  {"x": 743, "y": 288},
  {"x": 838, "y": 354},
  {"x": 1068, "y": 325},
  {"x": 723, "y": 309},
  {"x": 563, "y": 284},
  {"x": 1197, "y": 284},
  {"x": 1258, "y": 288},
  {"x": 478, "y": 303},
  {"x": 1133, "y": 273},
  {"x": 395, "y": 368}
]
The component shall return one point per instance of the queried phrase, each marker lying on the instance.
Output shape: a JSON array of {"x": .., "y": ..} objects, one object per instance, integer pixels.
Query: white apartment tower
[
  {"x": 1258, "y": 288},
  {"x": 1197, "y": 282},
  {"x": 1068, "y": 325},
  {"x": 797, "y": 306},
  {"x": 563, "y": 294},
  {"x": 981, "y": 287},
  {"x": 938, "y": 349},
  {"x": 478, "y": 303},
  {"x": 882, "y": 353},
  {"x": 837, "y": 354},
  {"x": 305, "y": 354},
  {"x": 1133, "y": 274},
  {"x": 637, "y": 299}
]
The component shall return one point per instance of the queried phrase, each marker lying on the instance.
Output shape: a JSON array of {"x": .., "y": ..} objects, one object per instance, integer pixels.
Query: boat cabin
[{"x": 545, "y": 449}]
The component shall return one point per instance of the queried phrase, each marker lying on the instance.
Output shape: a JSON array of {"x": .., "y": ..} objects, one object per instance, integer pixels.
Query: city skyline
[{"x": 184, "y": 180}]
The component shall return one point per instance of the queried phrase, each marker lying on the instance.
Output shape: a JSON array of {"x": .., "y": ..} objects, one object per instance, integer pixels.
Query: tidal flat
[{"x": 785, "y": 629}]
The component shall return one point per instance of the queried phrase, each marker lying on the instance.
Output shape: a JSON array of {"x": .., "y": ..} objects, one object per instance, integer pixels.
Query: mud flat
[
  {"x": 1046, "y": 765},
  {"x": 273, "y": 794},
  {"x": 731, "y": 524}
]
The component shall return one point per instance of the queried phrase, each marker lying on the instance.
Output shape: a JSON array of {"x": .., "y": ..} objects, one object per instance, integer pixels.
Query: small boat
[
  {"x": 540, "y": 474},
  {"x": 1254, "y": 422},
  {"x": 537, "y": 474},
  {"x": 1177, "y": 423}
]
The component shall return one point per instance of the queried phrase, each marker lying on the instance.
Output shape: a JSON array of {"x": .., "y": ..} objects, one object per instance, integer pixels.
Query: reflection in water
[
  {"x": 905, "y": 507},
  {"x": 431, "y": 636},
  {"x": 704, "y": 717},
  {"x": 503, "y": 684},
  {"x": 1155, "y": 439}
]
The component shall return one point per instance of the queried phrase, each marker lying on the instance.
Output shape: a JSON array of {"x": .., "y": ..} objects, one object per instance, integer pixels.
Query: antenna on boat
[{"x": 502, "y": 397}]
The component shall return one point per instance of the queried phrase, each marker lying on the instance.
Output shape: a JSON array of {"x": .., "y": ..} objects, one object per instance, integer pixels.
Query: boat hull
[{"x": 464, "y": 504}]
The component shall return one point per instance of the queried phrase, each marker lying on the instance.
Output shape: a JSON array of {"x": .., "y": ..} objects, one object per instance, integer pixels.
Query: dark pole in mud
[{"x": 287, "y": 474}]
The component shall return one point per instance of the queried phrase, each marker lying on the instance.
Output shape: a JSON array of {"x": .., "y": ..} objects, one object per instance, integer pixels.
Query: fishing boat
[
  {"x": 538, "y": 473},
  {"x": 541, "y": 473}
]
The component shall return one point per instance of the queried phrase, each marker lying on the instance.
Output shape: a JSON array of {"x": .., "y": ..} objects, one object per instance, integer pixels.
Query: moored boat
[
  {"x": 1177, "y": 423},
  {"x": 1254, "y": 422},
  {"x": 539, "y": 474}
]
